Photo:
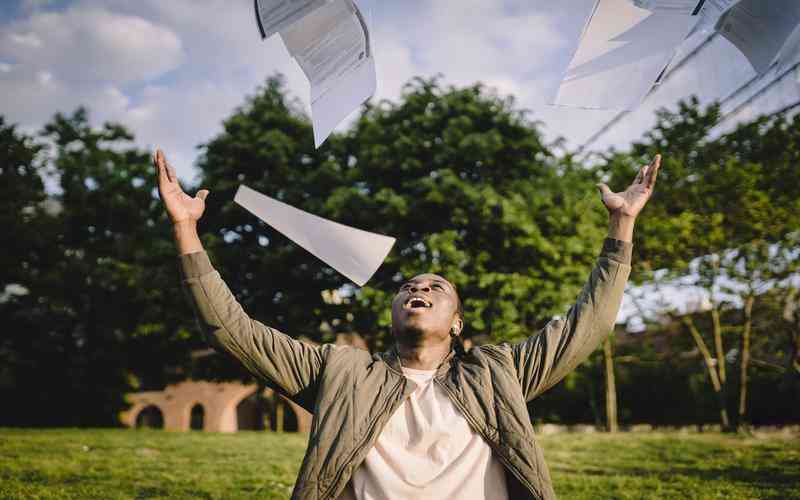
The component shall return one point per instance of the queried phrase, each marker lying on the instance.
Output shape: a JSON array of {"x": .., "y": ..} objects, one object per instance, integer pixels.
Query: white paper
[
  {"x": 355, "y": 253},
  {"x": 275, "y": 15},
  {"x": 675, "y": 6},
  {"x": 760, "y": 29},
  {"x": 332, "y": 47},
  {"x": 623, "y": 51},
  {"x": 710, "y": 14},
  {"x": 790, "y": 54}
]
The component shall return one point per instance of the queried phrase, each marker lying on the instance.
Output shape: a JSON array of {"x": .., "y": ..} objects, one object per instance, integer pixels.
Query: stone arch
[
  {"x": 284, "y": 416},
  {"x": 252, "y": 413},
  {"x": 149, "y": 416},
  {"x": 278, "y": 413},
  {"x": 219, "y": 402},
  {"x": 197, "y": 416}
]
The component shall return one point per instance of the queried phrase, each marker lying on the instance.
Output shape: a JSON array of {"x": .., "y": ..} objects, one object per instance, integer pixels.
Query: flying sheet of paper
[
  {"x": 355, "y": 253},
  {"x": 332, "y": 47},
  {"x": 760, "y": 29},
  {"x": 710, "y": 13},
  {"x": 274, "y": 15},
  {"x": 676, "y": 6},
  {"x": 622, "y": 52},
  {"x": 790, "y": 54}
]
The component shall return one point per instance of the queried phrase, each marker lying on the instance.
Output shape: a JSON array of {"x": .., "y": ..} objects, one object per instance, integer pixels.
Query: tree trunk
[
  {"x": 263, "y": 408},
  {"x": 712, "y": 371},
  {"x": 278, "y": 413},
  {"x": 717, "y": 330},
  {"x": 796, "y": 357},
  {"x": 611, "y": 387},
  {"x": 745, "y": 359},
  {"x": 718, "y": 345},
  {"x": 791, "y": 313}
]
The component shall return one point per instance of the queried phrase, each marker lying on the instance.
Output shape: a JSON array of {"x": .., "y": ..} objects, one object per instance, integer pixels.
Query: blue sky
[{"x": 173, "y": 70}]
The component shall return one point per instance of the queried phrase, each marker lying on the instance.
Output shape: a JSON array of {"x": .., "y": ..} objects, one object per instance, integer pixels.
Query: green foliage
[
  {"x": 266, "y": 144},
  {"x": 466, "y": 184},
  {"x": 717, "y": 194},
  {"x": 459, "y": 176},
  {"x": 724, "y": 218},
  {"x": 89, "y": 292},
  {"x": 22, "y": 244},
  {"x": 102, "y": 298},
  {"x": 145, "y": 464},
  {"x": 21, "y": 195}
]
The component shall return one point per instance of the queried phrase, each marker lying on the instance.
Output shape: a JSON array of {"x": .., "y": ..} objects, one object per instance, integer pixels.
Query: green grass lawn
[{"x": 74, "y": 463}]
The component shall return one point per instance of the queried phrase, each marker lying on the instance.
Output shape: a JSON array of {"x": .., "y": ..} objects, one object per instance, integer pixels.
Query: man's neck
[{"x": 423, "y": 357}]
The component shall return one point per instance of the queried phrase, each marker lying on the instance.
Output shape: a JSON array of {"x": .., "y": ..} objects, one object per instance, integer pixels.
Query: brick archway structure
[{"x": 219, "y": 401}]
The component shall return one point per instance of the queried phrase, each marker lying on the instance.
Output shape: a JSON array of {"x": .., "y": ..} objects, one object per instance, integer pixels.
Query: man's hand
[
  {"x": 181, "y": 207},
  {"x": 625, "y": 206},
  {"x": 183, "y": 210},
  {"x": 631, "y": 201}
]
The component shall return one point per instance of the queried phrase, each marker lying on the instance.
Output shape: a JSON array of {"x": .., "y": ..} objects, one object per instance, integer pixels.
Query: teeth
[{"x": 416, "y": 301}]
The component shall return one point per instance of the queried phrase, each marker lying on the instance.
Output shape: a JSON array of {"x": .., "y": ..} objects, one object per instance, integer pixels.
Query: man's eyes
[{"x": 436, "y": 286}]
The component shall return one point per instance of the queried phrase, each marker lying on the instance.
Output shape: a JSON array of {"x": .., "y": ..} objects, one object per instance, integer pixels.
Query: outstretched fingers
[
  {"x": 170, "y": 171},
  {"x": 161, "y": 172},
  {"x": 641, "y": 175},
  {"x": 653, "y": 172},
  {"x": 166, "y": 174},
  {"x": 603, "y": 188}
]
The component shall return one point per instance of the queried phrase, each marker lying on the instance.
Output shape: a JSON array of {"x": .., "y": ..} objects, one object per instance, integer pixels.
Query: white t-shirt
[{"x": 428, "y": 451}]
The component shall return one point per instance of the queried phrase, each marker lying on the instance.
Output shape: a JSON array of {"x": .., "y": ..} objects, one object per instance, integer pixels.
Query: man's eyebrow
[{"x": 434, "y": 280}]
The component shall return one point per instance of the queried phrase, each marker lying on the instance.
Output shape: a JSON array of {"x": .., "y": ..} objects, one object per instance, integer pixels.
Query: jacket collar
[{"x": 392, "y": 358}]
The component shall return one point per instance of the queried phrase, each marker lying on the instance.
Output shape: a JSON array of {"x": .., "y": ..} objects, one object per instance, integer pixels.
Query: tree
[
  {"x": 460, "y": 177},
  {"x": 724, "y": 207},
  {"x": 612, "y": 424},
  {"x": 791, "y": 314},
  {"x": 467, "y": 185},
  {"x": 100, "y": 315},
  {"x": 22, "y": 209}
]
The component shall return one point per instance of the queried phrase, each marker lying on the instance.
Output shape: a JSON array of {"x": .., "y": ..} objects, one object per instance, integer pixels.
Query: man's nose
[{"x": 420, "y": 288}]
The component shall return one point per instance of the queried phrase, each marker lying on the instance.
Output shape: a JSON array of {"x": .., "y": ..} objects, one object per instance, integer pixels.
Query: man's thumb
[
  {"x": 604, "y": 190},
  {"x": 202, "y": 194}
]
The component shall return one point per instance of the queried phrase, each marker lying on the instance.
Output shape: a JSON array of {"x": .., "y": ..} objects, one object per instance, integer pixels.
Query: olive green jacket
[{"x": 352, "y": 393}]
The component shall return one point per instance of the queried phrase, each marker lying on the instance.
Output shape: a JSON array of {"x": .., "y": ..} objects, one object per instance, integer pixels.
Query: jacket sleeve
[
  {"x": 548, "y": 356},
  {"x": 290, "y": 366}
]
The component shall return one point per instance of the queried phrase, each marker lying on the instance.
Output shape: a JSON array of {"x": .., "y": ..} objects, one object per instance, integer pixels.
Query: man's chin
[{"x": 414, "y": 328}]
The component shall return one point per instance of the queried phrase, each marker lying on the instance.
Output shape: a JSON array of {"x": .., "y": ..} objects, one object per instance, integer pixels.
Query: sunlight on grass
[{"x": 75, "y": 463}]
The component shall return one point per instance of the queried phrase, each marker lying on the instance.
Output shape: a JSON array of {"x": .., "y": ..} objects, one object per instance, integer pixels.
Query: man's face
[{"x": 425, "y": 306}]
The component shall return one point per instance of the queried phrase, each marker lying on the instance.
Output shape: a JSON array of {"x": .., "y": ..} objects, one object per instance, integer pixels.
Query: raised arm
[
  {"x": 289, "y": 366},
  {"x": 548, "y": 356}
]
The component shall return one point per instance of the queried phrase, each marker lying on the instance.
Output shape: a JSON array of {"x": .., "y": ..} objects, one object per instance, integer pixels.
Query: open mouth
[{"x": 417, "y": 302}]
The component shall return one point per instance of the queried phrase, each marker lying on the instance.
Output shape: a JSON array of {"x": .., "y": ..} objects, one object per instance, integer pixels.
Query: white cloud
[
  {"x": 86, "y": 44},
  {"x": 44, "y": 78},
  {"x": 25, "y": 39},
  {"x": 172, "y": 71},
  {"x": 105, "y": 59}
]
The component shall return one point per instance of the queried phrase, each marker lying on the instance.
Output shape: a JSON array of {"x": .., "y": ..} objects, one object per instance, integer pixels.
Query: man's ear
[{"x": 458, "y": 325}]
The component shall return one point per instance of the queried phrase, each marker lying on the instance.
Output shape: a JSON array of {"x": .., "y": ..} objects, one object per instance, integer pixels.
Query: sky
[{"x": 172, "y": 71}]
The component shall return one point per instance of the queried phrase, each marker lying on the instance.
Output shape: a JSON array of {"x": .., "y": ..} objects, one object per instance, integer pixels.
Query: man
[{"x": 425, "y": 420}]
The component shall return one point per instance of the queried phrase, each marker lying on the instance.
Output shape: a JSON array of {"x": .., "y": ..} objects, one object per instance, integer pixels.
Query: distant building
[{"x": 220, "y": 407}]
